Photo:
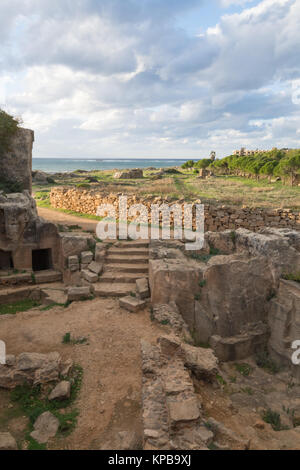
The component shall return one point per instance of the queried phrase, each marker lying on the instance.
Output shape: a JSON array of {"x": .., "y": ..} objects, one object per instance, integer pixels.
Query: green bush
[{"x": 8, "y": 128}]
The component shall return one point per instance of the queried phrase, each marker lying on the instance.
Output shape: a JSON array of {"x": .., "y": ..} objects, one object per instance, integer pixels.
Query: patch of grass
[
  {"x": 165, "y": 322},
  {"x": 49, "y": 307},
  {"x": 273, "y": 418},
  {"x": 244, "y": 369},
  {"x": 197, "y": 297},
  {"x": 20, "y": 306},
  {"x": 202, "y": 283},
  {"x": 33, "y": 402},
  {"x": 221, "y": 380},
  {"x": 67, "y": 339},
  {"x": 292, "y": 277},
  {"x": 264, "y": 361}
]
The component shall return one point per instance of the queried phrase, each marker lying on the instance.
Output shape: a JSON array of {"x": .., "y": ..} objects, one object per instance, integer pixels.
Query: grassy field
[{"x": 229, "y": 190}]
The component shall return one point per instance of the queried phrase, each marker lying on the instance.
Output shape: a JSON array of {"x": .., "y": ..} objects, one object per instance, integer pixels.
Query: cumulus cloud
[{"x": 113, "y": 78}]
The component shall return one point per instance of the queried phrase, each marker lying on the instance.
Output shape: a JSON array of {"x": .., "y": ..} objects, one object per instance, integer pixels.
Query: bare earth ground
[
  {"x": 61, "y": 218},
  {"x": 110, "y": 397}
]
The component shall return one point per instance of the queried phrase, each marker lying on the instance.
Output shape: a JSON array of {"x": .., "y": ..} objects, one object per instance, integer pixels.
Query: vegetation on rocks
[{"x": 8, "y": 128}]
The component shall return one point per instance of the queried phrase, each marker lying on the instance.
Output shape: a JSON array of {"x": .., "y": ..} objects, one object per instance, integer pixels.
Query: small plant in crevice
[
  {"x": 233, "y": 237},
  {"x": 273, "y": 418},
  {"x": 244, "y": 369},
  {"x": 264, "y": 361},
  {"x": 271, "y": 294},
  {"x": 202, "y": 283},
  {"x": 67, "y": 339},
  {"x": 291, "y": 277}
]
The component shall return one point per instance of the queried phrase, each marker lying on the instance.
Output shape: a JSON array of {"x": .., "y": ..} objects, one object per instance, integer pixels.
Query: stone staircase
[{"x": 125, "y": 263}]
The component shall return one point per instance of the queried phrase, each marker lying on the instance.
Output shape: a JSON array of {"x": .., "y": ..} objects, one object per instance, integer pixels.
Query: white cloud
[{"x": 119, "y": 78}]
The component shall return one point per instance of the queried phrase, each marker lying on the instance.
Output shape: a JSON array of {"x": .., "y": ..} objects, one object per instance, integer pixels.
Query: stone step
[
  {"x": 16, "y": 294},
  {"x": 50, "y": 275},
  {"x": 113, "y": 289},
  {"x": 115, "y": 276},
  {"x": 128, "y": 252},
  {"x": 130, "y": 259},
  {"x": 133, "y": 244},
  {"x": 127, "y": 268}
]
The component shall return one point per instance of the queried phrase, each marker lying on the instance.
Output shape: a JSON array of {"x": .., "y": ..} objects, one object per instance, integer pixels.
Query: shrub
[{"x": 8, "y": 128}]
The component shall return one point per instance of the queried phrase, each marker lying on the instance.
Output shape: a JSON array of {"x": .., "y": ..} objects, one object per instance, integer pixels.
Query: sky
[{"x": 152, "y": 78}]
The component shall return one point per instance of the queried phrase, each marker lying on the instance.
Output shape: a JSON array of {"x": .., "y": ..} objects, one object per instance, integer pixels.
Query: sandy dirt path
[
  {"x": 110, "y": 397},
  {"x": 65, "y": 219}
]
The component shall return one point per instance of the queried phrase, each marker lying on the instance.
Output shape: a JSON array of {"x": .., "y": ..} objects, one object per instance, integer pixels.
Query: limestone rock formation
[
  {"x": 15, "y": 164},
  {"x": 129, "y": 174},
  {"x": 22, "y": 232},
  {"x": 31, "y": 368}
]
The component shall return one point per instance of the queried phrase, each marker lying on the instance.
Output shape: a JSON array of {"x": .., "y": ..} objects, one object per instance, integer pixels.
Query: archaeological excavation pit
[{"x": 41, "y": 260}]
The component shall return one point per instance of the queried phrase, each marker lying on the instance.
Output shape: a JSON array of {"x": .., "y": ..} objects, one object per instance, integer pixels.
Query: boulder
[
  {"x": 129, "y": 174},
  {"x": 62, "y": 391},
  {"x": 201, "y": 361},
  {"x": 45, "y": 427}
]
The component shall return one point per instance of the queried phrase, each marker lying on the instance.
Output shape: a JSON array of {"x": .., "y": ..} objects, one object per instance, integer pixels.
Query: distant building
[
  {"x": 213, "y": 155},
  {"x": 246, "y": 153}
]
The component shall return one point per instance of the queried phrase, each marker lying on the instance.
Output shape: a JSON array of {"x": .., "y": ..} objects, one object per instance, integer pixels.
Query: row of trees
[{"x": 275, "y": 163}]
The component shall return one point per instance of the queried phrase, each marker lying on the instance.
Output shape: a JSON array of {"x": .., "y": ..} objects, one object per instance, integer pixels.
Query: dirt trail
[
  {"x": 61, "y": 218},
  {"x": 110, "y": 398}
]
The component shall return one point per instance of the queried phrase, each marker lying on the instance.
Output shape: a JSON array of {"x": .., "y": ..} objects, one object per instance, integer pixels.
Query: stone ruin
[
  {"x": 16, "y": 164},
  {"x": 235, "y": 300}
]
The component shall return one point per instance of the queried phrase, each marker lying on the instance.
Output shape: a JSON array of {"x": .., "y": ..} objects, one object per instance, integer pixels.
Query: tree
[
  {"x": 203, "y": 163},
  {"x": 289, "y": 166},
  {"x": 188, "y": 164}
]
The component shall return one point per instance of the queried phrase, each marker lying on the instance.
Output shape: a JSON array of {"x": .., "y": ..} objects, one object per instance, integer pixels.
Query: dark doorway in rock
[
  {"x": 6, "y": 260},
  {"x": 41, "y": 260}
]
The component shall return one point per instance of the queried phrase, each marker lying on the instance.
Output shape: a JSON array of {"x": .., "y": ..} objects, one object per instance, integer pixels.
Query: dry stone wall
[{"x": 217, "y": 218}]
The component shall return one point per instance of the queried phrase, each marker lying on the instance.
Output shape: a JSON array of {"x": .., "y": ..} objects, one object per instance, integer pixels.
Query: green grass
[
  {"x": 292, "y": 277},
  {"x": 33, "y": 402},
  {"x": 273, "y": 418},
  {"x": 264, "y": 361},
  {"x": 20, "y": 306},
  {"x": 244, "y": 369},
  {"x": 67, "y": 339}
]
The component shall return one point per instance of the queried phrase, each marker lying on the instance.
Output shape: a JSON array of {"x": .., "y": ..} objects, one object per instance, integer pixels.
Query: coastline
[{"x": 65, "y": 165}]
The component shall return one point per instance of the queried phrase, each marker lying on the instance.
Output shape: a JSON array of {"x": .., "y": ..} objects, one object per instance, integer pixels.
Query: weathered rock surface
[
  {"x": 15, "y": 165},
  {"x": 62, "y": 391},
  {"x": 133, "y": 304},
  {"x": 7, "y": 441},
  {"x": 31, "y": 368},
  {"x": 78, "y": 293},
  {"x": 129, "y": 174},
  {"x": 171, "y": 409},
  {"x": 45, "y": 427},
  {"x": 89, "y": 275},
  {"x": 284, "y": 322},
  {"x": 142, "y": 288}
]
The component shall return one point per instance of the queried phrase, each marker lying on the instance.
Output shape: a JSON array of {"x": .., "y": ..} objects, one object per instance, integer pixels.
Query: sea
[{"x": 62, "y": 165}]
